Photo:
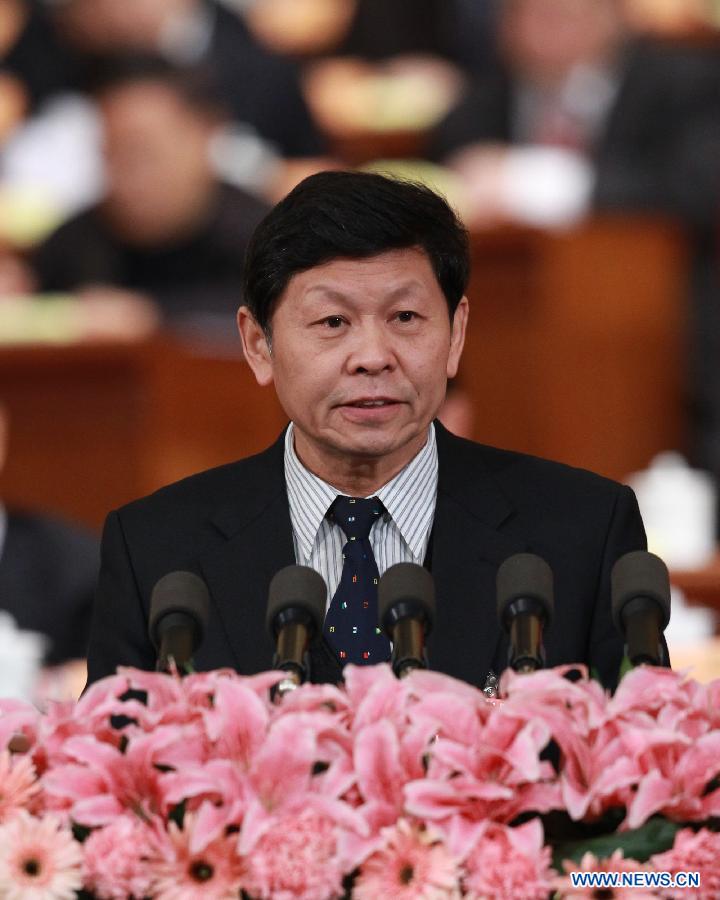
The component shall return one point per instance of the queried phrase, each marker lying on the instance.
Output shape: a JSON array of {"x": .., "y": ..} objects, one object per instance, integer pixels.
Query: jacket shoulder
[
  {"x": 525, "y": 479},
  {"x": 244, "y": 484}
]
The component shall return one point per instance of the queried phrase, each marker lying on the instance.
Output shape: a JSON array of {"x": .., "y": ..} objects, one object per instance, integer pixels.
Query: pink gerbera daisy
[
  {"x": 616, "y": 862},
  {"x": 412, "y": 865},
  {"x": 18, "y": 783},
  {"x": 214, "y": 873},
  {"x": 39, "y": 859}
]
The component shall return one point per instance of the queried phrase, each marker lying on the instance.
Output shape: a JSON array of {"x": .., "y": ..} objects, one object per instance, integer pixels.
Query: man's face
[
  {"x": 361, "y": 353},
  {"x": 156, "y": 155},
  {"x": 545, "y": 39}
]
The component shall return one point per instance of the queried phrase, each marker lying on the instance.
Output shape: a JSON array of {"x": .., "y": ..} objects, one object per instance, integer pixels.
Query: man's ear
[
  {"x": 457, "y": 337},
  {"x": 255, "y": 346}
]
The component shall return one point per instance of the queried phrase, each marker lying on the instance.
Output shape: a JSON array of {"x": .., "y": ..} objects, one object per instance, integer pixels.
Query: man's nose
[{"x": 372, "y": 350}]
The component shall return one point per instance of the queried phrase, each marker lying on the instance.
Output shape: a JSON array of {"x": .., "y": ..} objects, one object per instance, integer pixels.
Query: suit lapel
[
  {"x": 238, "y": 575},
  {"x": 257, "y": 543},
  {"x": 467, "y": 548}
]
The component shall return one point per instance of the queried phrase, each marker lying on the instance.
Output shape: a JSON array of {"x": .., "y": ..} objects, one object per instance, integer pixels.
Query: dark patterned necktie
[{"x": 351, "y": 623}]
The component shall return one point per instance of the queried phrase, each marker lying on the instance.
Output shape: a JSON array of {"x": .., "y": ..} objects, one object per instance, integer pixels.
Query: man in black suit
[{"x": 356, "y": 313}]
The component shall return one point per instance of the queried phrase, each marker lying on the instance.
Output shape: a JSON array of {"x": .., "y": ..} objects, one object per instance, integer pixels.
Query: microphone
[
  {"x": 525, "y": 608},
  {"x": 640, "y": 591},
  {"x": 406, "y": 609},
  {"x": 179, "y": 607},
  {"x": 295, "y": 613}
]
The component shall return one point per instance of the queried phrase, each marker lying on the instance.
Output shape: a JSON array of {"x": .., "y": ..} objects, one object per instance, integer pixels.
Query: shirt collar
[{"x": 309, "y": 497}]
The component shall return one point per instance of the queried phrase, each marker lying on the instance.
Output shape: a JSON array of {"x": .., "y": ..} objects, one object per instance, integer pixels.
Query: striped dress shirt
[{"x": 401, "y": 534}]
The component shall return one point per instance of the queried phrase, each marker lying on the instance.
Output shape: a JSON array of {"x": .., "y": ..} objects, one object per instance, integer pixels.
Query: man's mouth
[{"x": 370, "y": 404}]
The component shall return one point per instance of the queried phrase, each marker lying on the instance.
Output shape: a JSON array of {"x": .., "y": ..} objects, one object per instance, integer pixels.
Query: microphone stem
[
  {"x": 642, "y": 642},
  {"x": 408, "y": 640},
  {"x": 525, "y": 641},
  {"x": 291, "y": 644},
  {"x": 176, "y": 647},
  {"x": 292, "y": 641}
]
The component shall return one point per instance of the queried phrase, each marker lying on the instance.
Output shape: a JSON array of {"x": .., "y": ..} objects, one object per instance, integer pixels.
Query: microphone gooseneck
[
  {"x": 640, "y": 591},
  {"x": 406, "y": 610},
  {"x": 525, "y": 608},
  {"x": 179, "y": 608},
  {"x": 295, "y": 613}
]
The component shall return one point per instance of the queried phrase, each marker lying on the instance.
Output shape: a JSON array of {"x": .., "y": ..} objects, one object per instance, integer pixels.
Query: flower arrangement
[{"x": 201, "y": 787}]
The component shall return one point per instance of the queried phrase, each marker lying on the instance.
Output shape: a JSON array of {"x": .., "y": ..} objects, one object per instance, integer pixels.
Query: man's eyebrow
[
  {"x": 329, "y": 292},
  {"x": 325, "y": 292}
]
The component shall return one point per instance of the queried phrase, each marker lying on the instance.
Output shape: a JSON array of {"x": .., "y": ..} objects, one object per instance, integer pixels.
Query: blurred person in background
[
  {"x": 260, "y": 89},
  {"x": 579, "y": 115},
  {"x": 582, "y": 115},
  {"x": 48, "y": 570},
  {"x": 168, "y": 235}
]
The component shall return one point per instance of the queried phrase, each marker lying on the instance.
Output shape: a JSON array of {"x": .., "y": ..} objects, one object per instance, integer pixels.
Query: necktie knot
[{"x": 356, "y": 515}]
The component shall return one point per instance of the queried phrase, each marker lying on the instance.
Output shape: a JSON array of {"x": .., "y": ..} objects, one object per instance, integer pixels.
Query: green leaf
[
  {"x": 625, "y": 667},
  {"x": 655, "y": 836}
]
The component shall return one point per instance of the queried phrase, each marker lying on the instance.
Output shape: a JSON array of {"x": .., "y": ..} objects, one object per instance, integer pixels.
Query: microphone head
[
  {"x": 524, "y": 577},
  {"x": 406, "y": 590},
  {"x": 179, "y": 592},
  {"x": 639, "y": 574},
  {"x": 301, "y": 590}
]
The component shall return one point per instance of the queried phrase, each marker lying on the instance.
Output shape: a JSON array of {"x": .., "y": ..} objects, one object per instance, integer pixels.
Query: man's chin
[{"x": 377, "y": 443}]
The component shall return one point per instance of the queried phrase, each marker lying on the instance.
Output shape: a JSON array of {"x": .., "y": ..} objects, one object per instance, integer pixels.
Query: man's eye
[
  {"x": 406, "y": 315},
  {"x": 333, "y": 321}
]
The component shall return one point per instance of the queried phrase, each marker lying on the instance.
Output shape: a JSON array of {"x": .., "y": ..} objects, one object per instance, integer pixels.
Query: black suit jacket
[
  {"x": 232, "y": 526},
  {"x": 48, "y": 572}
]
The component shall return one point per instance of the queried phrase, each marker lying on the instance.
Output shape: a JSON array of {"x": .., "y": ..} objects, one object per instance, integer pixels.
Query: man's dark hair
[{"x": 356, "y": 215}]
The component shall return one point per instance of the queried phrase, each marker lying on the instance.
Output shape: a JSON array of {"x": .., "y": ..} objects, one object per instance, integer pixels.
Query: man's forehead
[{"x": 395, "y": 271}]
